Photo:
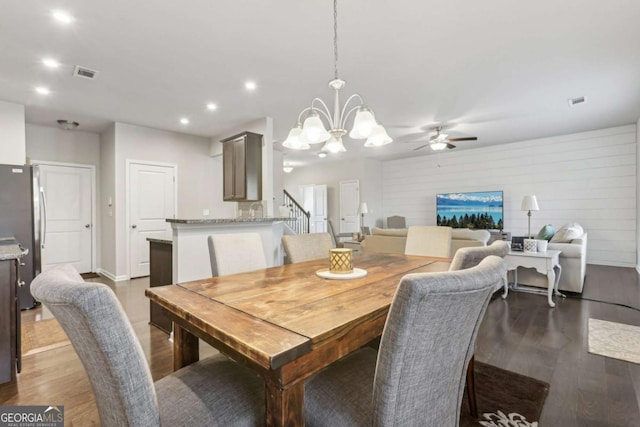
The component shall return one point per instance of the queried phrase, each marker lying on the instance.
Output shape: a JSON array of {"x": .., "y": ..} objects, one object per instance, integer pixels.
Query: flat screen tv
[{"x": 480, "y": 209}]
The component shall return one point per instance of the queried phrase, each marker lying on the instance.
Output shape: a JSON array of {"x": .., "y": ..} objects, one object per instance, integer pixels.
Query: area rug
[
  {"x": 505, "y": 399},
  {"x": 41, "y": 336},
  {"x": 615, "y": 340},
  {"x": 89, "y": 275}
]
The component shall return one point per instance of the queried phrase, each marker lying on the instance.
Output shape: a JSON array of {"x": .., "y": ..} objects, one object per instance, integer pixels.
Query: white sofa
[
  {"x": 393, "y": 240},
  {"x": 573, "y": 261}
]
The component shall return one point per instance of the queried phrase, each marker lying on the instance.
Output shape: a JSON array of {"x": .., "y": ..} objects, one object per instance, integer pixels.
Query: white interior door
[
  {"x": 152, "y": 199},
  {"x": 349, "y": 202},
  {"x": 67, "y": 237},
  {"x": 320, "y": 213}
]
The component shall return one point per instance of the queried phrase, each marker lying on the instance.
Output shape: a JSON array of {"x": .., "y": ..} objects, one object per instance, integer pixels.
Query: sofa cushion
[
  {"x": 466, "y": 234},
  {"x": 546, "y": 232},
  {"x": 396, "y": 232},
  {"x": 567, "y": 233}
]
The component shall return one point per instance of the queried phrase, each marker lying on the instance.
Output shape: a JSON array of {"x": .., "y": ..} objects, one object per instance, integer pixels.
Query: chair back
[
  {"x": 428, "y": 241},
  {"x": 236, "y": 253},
  {"x": 307, "y": 247},
  {"x": 396, "y": 221},
  {"x": 101, "y": 334},
  {"x": 424, "y": 351},
  {"x": 470, "y": 257}
]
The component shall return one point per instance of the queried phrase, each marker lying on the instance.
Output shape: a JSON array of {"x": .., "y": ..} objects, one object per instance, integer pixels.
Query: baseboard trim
[{"x": 112, "y": 276}]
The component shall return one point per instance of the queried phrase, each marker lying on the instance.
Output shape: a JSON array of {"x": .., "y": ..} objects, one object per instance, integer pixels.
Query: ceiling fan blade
[
  {"x": 470, "y": 138},
  {"x": 450, "y": 146},
  {"x": 421, "y": 147}
]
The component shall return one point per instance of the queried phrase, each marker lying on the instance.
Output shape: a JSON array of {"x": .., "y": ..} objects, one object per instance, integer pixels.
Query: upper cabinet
[{"x": 242, "y": 164}]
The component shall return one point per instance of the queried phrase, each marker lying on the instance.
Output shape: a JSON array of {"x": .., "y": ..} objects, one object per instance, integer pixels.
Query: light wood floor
[{"x": 521, "y": 334}]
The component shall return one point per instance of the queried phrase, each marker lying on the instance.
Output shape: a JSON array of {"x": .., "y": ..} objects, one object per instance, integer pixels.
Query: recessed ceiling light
[
  {"x": 63, "y": 17},
  {"x": 184, "y": 121},
  {"x": 287, "y": 169},
  {"x": 50, "y": 62},
  {"x": 250, "y": 85},
  {"x": 43, "y": 90},
  {"x": 211, "y": 106},
  {"x": 322, "y": 155}
]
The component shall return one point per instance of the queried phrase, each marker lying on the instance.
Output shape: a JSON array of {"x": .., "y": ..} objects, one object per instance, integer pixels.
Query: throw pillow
[
  {"x": 567, "y": 233},
  {"x": 546, "y": 232}
]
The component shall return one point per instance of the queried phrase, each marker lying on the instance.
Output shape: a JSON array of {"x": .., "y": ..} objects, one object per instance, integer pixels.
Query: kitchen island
[{"x": 191, "y": 251}]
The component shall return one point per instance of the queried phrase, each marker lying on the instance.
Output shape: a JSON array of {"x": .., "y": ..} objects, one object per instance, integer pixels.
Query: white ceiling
[{"x": 501, "y": 70}]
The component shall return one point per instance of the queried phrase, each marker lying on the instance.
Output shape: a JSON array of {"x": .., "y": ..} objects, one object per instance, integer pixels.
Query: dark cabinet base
[{"x": 161, "y": 273}]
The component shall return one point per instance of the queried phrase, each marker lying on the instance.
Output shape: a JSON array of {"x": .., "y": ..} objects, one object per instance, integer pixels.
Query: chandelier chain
[{"x": 335, "y": 38}]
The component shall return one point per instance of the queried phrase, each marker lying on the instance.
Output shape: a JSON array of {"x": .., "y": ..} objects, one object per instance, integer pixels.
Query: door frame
[
  {"x": 127, "y": 184},
  {"x": 94, "y": 213}
]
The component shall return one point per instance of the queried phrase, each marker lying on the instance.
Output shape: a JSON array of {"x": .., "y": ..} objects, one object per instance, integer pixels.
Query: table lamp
[
  {"x": 363, "y": 210},
  {"x": 529, "y": 203}
]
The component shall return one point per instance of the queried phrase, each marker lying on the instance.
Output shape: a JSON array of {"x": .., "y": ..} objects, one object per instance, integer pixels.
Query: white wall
[
  {"x": 12, "y": 134},
  {"x": 107, "y": 210},
  {"x": 367, "y": 171},
  {"x": 587, "y": 177},
  {"x": 638, "y": 196}
]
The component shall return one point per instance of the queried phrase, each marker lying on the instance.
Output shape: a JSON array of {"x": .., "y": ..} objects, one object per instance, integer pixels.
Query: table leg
[
  {"x": 285, "y": 407},
  {"x": 551, "y": 277},
  {"x": 185, "y": 347},
  {"x": 556, "y": 291}
]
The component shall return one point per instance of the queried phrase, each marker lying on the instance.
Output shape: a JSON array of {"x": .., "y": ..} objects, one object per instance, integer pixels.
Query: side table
[{"x": 547, "y": 263}]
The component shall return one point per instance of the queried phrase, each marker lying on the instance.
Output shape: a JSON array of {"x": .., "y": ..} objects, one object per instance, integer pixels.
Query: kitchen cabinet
[
  {"x": 242, "y": 167},
  {"x": 10, "y": 254}
]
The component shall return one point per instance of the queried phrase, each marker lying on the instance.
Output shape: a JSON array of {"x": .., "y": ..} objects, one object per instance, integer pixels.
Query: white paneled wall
[{"x": 589, "y": 178}]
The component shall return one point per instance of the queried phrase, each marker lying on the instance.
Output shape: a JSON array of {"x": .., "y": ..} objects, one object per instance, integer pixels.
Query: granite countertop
[
  {"x": 9, "y": 248},
  {"x": 228, "y": 220},
  {"x": 165, "y": 241}
]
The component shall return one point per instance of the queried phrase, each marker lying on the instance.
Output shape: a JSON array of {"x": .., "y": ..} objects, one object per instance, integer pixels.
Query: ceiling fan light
[
  {"x": 363, "y": 124},
  {"x": 438, "y": 146},
  {"x": 334, "y": 145},
  {"x": 378, "y": 137},
  {"x": 313, "y": 130},
  {"x": 294, "y": 140}
]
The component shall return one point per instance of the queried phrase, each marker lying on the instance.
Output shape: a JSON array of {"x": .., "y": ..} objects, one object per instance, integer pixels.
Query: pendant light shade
[
  {"x": 378, "y": 137},
  {"x": 313, "y": 131},
  {"x": 363, "y": 124},
  {"x": 334, "y": 145},
  {"x": 294, "y": 140},
  {"x": 438, "y": 146}
]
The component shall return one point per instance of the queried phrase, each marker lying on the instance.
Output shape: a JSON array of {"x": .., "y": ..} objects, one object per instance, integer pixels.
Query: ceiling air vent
[
  {"x": 84, "y": 72},
  {"x": 575, "y": 101}
]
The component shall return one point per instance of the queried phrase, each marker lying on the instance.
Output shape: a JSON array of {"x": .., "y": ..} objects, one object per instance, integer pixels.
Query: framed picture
[{"x": 365, "y": 231}]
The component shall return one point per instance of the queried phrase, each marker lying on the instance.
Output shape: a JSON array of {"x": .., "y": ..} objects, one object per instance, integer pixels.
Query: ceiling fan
[{"x": 440, "y": 141}]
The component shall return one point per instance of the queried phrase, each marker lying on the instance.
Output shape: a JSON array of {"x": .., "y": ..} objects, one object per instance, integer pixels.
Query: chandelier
[{"x": 312, "y": 129}]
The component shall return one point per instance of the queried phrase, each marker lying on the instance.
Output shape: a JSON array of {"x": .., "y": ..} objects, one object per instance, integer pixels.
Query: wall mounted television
[{"x": 478, "y": 209}]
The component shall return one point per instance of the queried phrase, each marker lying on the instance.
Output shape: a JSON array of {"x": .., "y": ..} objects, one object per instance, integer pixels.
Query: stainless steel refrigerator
[{"x": 22, "y": 216}]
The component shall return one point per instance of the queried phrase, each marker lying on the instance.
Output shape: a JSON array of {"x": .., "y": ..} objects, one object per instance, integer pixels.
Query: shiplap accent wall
[{"x": 589, "y": 178}]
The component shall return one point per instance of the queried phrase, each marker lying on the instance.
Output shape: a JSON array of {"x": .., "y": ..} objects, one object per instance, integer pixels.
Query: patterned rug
[
  {"x": 41, "y": 336},
  {"x": 90, "y": 275},
  {"x": 505, "y": 399},
  {"x": 615, "y": 340}
]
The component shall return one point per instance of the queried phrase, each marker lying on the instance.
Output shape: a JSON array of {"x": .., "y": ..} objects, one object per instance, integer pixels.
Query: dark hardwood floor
[{"x": 521, "y": 334}]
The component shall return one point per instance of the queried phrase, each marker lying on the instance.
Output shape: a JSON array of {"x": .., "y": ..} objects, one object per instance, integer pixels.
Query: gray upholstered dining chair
[
  {"x": 429, "y": 240},
  {"x": 468, "y": 258},
  {"x": 396, "y": 221},
  {"x": 307, "y": 247},
  {"x": 236, "y": 253},
  {"x": 417, "y": 377},
  {"x": 213, "y": 391}
]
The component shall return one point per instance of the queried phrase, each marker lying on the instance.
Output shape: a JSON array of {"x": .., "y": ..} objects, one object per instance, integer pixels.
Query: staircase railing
[{"x": 301, "y": 225}]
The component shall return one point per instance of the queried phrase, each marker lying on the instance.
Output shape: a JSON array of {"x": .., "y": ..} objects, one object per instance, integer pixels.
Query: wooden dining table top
[{"x": 275, "y": 315}]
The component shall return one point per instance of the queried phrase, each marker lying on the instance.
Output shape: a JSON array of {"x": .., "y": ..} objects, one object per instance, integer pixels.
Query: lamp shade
[
  {"x": 363, "y": 208},
  {"x": 529, "y": 203},
  {"x": 313, "y": 130},
  {"x": 334, "y": 145},
  {"x": 438, "y": 145},
  {"x": 378, "y": 137},
  {"x": 363, "y": 124},
  {"x": 294, "y": 140}
]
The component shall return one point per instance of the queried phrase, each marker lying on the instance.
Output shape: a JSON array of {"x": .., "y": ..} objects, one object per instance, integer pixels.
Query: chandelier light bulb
[{"x": 363, "y": 124}]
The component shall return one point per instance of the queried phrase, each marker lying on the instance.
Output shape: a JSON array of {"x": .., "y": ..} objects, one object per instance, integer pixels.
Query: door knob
[
  {"x": 87, "y": 225},
  {"x": 134, "y": 226}
]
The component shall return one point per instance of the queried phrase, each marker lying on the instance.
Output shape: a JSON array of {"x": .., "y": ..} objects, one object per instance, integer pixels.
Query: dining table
[{"x": 286, "y": 323}]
